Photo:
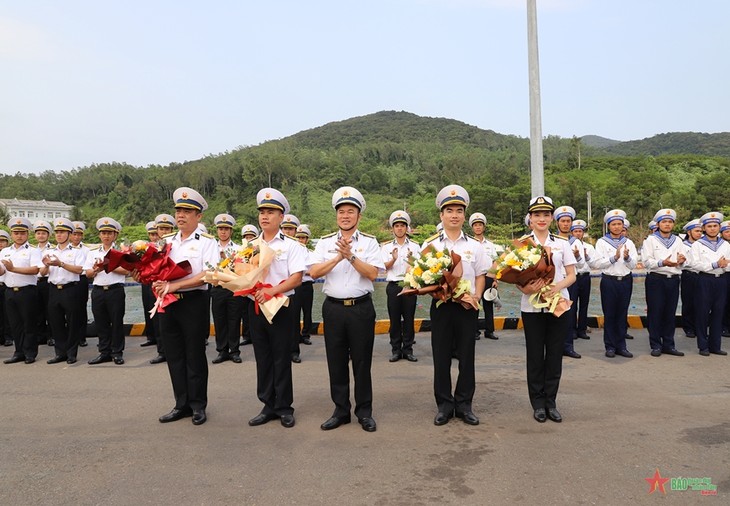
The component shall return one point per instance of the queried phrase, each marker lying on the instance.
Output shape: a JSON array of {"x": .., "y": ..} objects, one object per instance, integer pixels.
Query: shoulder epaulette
[
  {"x": 525, "y": 237},
  {"x": 95, "y": 248},
  {"x": 328, "y": 235},
  {"x": 433, "y": 238},
  {"x": 171, "y": 234},
  {"x": 204, "y": 234},
  {"x": 290, "y": 238},
  {"x": 368, "y": 235},
  {"x": 386, "y": 242},
  {"x": 560, "y": 237}
]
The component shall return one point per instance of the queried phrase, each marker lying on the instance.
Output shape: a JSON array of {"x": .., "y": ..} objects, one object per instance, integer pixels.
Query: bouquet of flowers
[
  {"x": 439, "y": 274},
  {"x": 523, "y": 262},
  {"x": 243, "y": 273},
  {"x": 152, "y": 262}
]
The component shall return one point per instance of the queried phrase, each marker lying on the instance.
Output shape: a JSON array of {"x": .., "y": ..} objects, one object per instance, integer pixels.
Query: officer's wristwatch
[{"x": 352, "y": 259}]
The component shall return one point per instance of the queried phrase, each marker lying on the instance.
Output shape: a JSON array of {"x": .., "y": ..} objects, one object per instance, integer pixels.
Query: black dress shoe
[
  {"x": 704, "y": 353},
  {"x": 158, "y": 359},
  {"x": 29, "y": 360},
  {"x": 674, "y": 352},
  {"x": 100, "y": 359},
  {"x": 236, "y": 359},
  {"x": 625, "y": 353},
  {"x": 442, "y": 418},
  {"x": 690, "y": 335},
  {"x": 571, "y": 354},
  {"x": 395, "y": 357},
  {"x": 628, "y": 336},
  {"x": 71, "y": 360},
  {"x": 261, "y": 419},
  {"x": 199, "y": 417},
  {"x": 148, "y": 343},
  {"x": 57, "y": 359},
  {"x": 244, "y": 342},
  {"x": 8, "y": 342},
  {"x": 610, "y": 353},
  {"x": 83, "y": 343},
  {"x": 540, "y": 415},
  {"x": 296, "y": 358},
  {"x": 175, "y": 414},
  {"x": 19, "y": 358},
  {"x": 582, "y": 335},
  {"x": 554, "y": 415},
  {"x": 468, "y": 417},
  {"x": 718, "y": 352},
  {"x": 305, "y": 340},
  {"x": 334, "y": 422},
  {"x": 51, "y": 342},
  {"x": 367, "y": 423},
  {"x": 222, "y": 357},
  {"x": 118, "y": 360},
  {"x": 656, "y": 353},
  {"x": 478, "y": 336},
  {"x": 410, "y": 357},
  {"x": 491, "y": 336},
  {"x": 287, "y": 421}
]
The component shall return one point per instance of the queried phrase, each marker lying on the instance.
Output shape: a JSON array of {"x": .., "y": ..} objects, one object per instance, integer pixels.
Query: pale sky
[{"x": 154, "y": 82}]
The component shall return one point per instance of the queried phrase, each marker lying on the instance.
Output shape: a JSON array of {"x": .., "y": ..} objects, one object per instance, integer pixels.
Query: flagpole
[{"x": 537, "y": 175}]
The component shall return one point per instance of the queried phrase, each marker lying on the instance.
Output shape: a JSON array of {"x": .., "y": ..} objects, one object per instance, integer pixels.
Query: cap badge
[{"x": 184, "y": 195}]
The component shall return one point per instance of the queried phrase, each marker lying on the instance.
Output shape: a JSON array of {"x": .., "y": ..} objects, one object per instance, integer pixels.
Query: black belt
[
  {"x": 393, "y": 282},
  {"x": 110, "y": 287},
  {"x": 660, "y": 275},
  {"x": 19, "y": 288},
  {"x": 581, "y": 274},
  {"x": 307, "y": 282},
  {"x": 350, "y": 302},
  {"x": 64, "y": 286},
  {"x": 188, "y": 294},
  {"x": 617, "y": 278},
  {"x": 711, "y": 275}
]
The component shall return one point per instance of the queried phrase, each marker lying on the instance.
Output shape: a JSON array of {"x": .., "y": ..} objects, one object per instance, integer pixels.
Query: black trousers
[
  {"x": 401, "y": 311},
  {"x": 689, "y": 289},
  {"x": 42, "y": 330},
  {"x": 83, "y": 300},
  {"x": 452, "y": 329},
  {"x": 349, "y": 333},
  {"x": 582, "y": 298},
  {"x": 305, "y": 297},
  {"x": 709, "y": 309},
  {"x": 544, "y": 338},
  {"x": 615, "y": 300},
  {"x": 185, "y": 327},
  {"x": 21, "y": 306},
  {"x": 227, "y": 311},
  {"x": 64, "y": 316},
  {"x": 4, "y": 325},
  {"x": 108, "y": 309},
  {"x": 273, "y": 360},
  {"x": 245, "y": 325},
  {"x": 570, "y": 332},
  {"x": 488, "y": 306},
  {"x": 662, "y": 295}
]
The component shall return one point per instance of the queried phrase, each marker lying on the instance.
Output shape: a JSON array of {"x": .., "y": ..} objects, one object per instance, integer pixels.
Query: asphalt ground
[{"x": 83, "y": 435}]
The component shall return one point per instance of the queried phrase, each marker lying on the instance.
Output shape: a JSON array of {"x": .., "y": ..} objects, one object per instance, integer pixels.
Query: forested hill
[
  {"x": 399, "y": 159},
  {"x": 675, "y": 143}
]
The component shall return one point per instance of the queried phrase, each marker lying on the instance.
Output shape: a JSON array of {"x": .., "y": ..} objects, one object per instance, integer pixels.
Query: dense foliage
[{"x": 398, "y": 160}]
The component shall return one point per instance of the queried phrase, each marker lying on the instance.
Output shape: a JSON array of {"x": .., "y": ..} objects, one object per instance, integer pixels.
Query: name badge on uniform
[{"x": 468, "y": 255}]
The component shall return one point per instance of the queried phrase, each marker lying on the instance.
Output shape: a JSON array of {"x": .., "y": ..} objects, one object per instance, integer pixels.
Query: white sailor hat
[
  {"x": 272, "y": 199},
  {"x": 348, "y": 195},
  {"x": 151, "y": 226},
  {"x": 627, "y": 224},
  {"x": 63, "y": 225},
  {"x": 712, "y": 217},
  {"x": 165, "y": 220},
  {"x": 578, "y": 224},
  {"x": 452, "y": 194},
  {"x": 725, "y": 225},
  {"x": 563, "y": 211},
  {"x": 42, "y": 225},
  {"x": 79, "y": 226},
  {"x": 249, "y": 230},
  {"x": 665, "y": 214},
  {"x": 614, "y": 214},
  {"x": 107, "y": 224},
  {"x": 290, "y": 221},
  {"x": 303, "y": 231},
  {"x": 20, "y": 224},
  {"x": 202, "y": 228},
  {"x": 190, "y": 199},
  {"x": 540, "y": 203},
  {"x": 691, "y": 224},
  {"x": 653, "y": 225},
  {"x": 4, "y": 234},
  {"x": 477, "y": 218},
  {"x": 224, "y": 220},
  {"x": 399, "y": 217}
]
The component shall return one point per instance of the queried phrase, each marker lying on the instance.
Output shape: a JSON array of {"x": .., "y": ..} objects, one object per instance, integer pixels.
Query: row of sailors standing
[{"x": 698, "y": 264}]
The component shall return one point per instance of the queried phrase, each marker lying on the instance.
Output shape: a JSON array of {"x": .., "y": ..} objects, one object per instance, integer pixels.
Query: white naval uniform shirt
[
  {"x": 687, "y": 266},
  {"x": 84, "y": 249},
  {"x": 473, "y": 257},
  {"x": 199, "y": 249},
  {"x": 399, "y": 267},
  {"x": 343, "y": 281},
  {"x": 102, "y": 278},
  {"x": 306, "y": 277},
  {"x": 606, "y": 250},
  {"x": 291, "y": 257},
  {"x": 577, "y": 244},
  {"x": 23, "y": 256},
  {"x": 58, "y": 275},
  {"x": 42, "y": 251},
  {"x": 656, "y": 249},
  {"x": 706, "y": 253},
  {"x": 227, "y": 250},
  {"x": 589, "y": 255},
  {"x": 562, "y": 256}
]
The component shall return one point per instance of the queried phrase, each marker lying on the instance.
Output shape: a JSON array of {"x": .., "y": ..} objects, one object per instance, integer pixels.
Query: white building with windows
[{"x": 35, "y": 209}]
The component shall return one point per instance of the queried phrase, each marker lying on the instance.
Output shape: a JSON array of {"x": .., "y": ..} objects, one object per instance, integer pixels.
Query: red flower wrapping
[{"x": 153, "y": 265}]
